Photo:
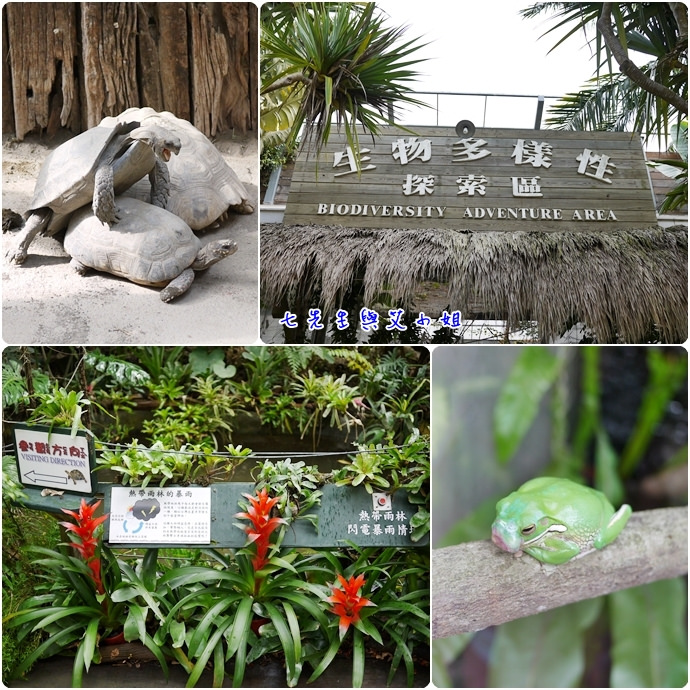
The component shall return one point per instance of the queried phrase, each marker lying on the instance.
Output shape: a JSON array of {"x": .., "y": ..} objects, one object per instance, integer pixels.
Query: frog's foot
[{"x": 614, "y": 527}]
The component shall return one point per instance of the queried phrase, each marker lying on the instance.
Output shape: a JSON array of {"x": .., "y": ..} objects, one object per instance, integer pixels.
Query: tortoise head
[{"x": 163, "y": 142}]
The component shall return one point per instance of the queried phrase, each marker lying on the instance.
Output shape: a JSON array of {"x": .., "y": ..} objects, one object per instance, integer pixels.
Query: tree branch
[
  {"x": 680, "y": 14},
  {"x": 476, "y": 585},
  {"x": 630, "y": 69},
  {"x": 287, "y": 80}
]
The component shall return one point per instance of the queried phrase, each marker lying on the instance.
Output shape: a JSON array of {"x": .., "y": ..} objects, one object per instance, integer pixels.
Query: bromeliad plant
[
  {"x": 295, "y": 484},
  {"x": 383, "y": 595},
  {"x": 87, "y": 543},
  {"x": 347, "y": 602},
  {"x": 261, "y": 528},
  {"x": 75, "y": 606},
  {"x": 251, "y": 603}
]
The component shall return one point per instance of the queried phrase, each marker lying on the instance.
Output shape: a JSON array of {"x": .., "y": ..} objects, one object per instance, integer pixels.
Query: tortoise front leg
[
  {"x": 35, "y": 223},
  {"x": 104, "y": 196},
  {"x": 178, "y": 285}
]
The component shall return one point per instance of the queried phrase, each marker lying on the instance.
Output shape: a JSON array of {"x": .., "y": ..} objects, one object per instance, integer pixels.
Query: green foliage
[
  {"x": 667, "y": 373},
  {"x": 613, "y": 101},
  {"x": 189, "y": 423},
  {"x": 139, "y": 465},
  {"x": 68, "y": 609},
  {"x": 398, "y": 391},
  {"x": 12, "y": 490},
  {"x": 15, "y": 391},
  {"x": 210, "y": 609},
  {"x": 297, "y": 485},
  {"x": 115, "y": 371},
  {"x": 649, "y": 633},
  {"x": 397, "y": 582},
  {"x": 274, "y": 156},
  {"x": 164, "y": 363},
  {"x": 210, "y": 360},
  {"x": 557, "y": 661},
  {"x": 341, "y": 63},
  {"x": 367, "y": 468},
  {"x": 521, "y": 395},
  {"x": 326, "y": 397},
  {"x": 60, "y": 408}
]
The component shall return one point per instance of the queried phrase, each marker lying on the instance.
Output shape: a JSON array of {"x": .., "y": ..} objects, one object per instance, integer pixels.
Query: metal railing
[{"x": 439, "y": 95}]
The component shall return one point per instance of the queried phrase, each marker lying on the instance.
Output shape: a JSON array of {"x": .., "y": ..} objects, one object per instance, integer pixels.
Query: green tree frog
[{"x": 555, "y": 520}]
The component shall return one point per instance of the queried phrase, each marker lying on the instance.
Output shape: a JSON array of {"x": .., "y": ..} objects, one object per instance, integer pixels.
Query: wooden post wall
[{"x": 71, "y": 64}]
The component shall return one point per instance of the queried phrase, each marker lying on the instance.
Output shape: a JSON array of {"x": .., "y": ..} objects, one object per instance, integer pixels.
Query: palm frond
[{"x": 352, "y": 68}]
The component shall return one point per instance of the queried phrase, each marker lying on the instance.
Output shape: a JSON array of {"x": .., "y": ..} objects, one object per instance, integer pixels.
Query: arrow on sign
[{"x": 36, "y": 477}]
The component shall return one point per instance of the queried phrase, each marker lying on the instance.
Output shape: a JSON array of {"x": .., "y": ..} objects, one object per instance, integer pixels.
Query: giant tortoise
[
  {"x": 203, "y": 186},
  {"x": 149, "y": 246},
  {"x": 90, "y": 169}
]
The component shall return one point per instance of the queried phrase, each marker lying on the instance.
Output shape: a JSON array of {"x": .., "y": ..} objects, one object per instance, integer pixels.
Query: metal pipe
[{"x": 540, "y": 110}]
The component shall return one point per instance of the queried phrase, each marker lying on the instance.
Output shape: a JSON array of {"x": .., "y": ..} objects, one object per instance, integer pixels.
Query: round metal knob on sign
[{"x": 465, "y": 128}]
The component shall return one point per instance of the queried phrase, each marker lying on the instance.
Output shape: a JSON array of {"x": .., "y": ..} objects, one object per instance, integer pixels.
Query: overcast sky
[{"x": 487, "y": 47}]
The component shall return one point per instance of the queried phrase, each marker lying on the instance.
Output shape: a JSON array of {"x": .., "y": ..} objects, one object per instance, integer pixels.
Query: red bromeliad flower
[
  {"x": 259, "y": 532},
  {"x": 88, "y": 543},
  {"x": 347, "y": 603}
]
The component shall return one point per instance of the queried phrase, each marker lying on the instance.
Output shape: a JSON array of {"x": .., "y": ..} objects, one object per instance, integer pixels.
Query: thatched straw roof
[{"x": 618, "y": 283}]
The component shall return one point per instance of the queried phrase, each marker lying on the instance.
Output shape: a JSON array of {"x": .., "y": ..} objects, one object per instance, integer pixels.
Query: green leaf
[
  {"x": 205, "y": 655},
  {"x": 325, "y": 659},
  {"x": 206, "y": 624},
  {"x": 357, "y": 659},
  {"x": 606, "y": 477},
  {"x": 178, "y": 631},
  {"x": 88, "y": 644},
  {"x": 55, "y": 643},
  {"x": 518, "y": 402},
  {"x": 667, "y": 372},
  {"x": 135, "y": 623},
  {"x": 286, "y": 639},
  {"x": 474, "y": 527},
  {"x": 241, "y": 624},
  {"x": 543, "y": 651},
  {"x": 649, "y": 640},
  {"x": 78, "y": 667},
  {"x": 149, "y": 569},
  {"x": 368, "y": 628},
  {"x": 446, "y": 650}
]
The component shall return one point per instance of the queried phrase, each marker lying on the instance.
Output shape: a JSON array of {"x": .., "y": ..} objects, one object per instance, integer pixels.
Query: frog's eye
[{"x": 529, "y": 529}]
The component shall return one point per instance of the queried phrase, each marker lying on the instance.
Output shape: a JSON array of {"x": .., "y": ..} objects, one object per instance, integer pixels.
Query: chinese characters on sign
[
  {"x": 53, "y": 459},
  {"x": 495, "y": 179},
  {"x": 160, "y": 515},
  {"x": 369, "y": 320},
  {"x": 377, "y": 522}
]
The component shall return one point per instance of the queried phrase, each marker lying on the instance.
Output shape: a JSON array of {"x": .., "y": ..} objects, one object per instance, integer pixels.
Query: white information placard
[
  {"x": 53, "y": 458},
  {"x": 160, "y": 515}
]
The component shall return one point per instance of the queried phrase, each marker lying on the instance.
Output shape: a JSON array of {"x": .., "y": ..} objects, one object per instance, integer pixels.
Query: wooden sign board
[
  {"x": 496, "y": 179},
  {"x": 54, "y": 459},
  {"x": 189, "y": 515}
]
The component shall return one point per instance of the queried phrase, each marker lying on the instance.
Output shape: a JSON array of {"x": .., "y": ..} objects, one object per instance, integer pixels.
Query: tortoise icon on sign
[{"x": 75, "y": 476}]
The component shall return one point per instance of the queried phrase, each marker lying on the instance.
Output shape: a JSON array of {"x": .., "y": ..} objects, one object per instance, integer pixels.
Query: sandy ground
[{"x": 44, "y": 301}]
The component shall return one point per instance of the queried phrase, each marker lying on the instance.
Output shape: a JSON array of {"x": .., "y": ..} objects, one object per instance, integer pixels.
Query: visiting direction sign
[
  {"x": 54, "y": 458},
  {"x": 493, "y": 179}
]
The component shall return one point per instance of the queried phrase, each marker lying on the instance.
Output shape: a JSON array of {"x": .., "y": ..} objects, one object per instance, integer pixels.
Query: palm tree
[
  {"x": 326, "y": 62},
  {"x": 647, "y": 98}
]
